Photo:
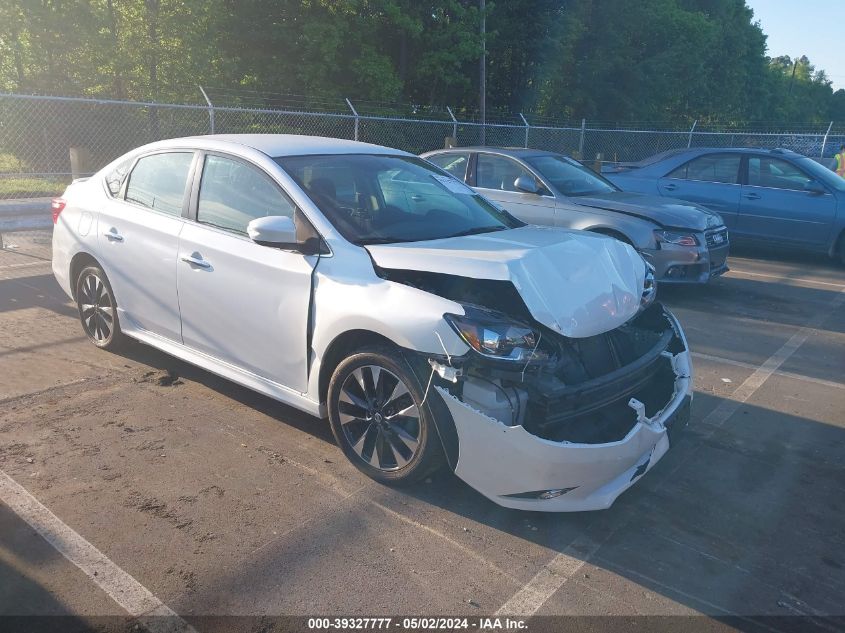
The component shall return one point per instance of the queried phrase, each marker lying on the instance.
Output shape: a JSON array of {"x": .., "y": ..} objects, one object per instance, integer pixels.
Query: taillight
[{"x": 57, "y": 205}]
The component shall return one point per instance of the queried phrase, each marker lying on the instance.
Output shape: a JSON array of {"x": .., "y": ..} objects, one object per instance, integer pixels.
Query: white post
[
  {"x": 581, "y": 142},
  {"x": 824, "y": 140},
  {"x": 454, "y": 123},
  {"x": 355, "y": 114},
  {"x": 526, "y": 128},
  {"x": 210, "y": 109},
  {"x": 691, "y": 130}
]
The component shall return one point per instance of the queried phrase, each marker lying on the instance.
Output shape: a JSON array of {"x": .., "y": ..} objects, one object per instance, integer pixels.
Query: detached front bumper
[
  {"x": 677, "y": 264},
  {"x": 517, "y": 469}
]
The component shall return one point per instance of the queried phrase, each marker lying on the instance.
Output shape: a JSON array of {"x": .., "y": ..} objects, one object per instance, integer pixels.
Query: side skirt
[{"x": 226, "y": 370}]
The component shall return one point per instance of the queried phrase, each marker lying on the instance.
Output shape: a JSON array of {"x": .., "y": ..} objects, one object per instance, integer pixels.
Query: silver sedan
[{"x": 685, "y": 242}]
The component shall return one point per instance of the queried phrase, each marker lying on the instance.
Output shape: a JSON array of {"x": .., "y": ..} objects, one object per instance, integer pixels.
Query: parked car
[
  {"x": 685, "y": 243},
  {"x": 363, "y": 284},
  {"x": 774, "y": 197}
]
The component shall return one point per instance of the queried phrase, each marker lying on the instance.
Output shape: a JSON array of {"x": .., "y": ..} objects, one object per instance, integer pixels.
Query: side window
[
  {"x": 764, "y": 171},
  {"x": 455, "y": 164},
  {"x": 498, "y": 172},
  {"x": 158, "y": 181},
  {"x": 710, "y": 168},
  {"x": 232, "y": 193},
  {"x": 114, "y": 179}
]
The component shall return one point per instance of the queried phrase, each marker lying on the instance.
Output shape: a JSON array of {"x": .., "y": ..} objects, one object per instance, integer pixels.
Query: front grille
[{"x": 716, "y": 238}]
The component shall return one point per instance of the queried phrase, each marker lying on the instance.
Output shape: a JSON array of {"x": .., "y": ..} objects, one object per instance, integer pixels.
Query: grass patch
[{"x": 29, "y": 187}]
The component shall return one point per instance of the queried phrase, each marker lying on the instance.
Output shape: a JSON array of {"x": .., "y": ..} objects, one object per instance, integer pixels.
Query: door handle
[
  {"x": 196, "y": 261},
  {"x": 752, "y": 196},
  {"x": 670, "y": 187},
  {"x": 113, "y": 236},
  {"x": 417, "y": 197}
]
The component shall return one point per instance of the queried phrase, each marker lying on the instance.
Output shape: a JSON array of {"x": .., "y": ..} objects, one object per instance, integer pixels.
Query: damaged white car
[{"x": 365, "y": 285}]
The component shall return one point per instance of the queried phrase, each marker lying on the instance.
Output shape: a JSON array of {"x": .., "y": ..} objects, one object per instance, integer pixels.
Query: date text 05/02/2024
[{"x": 417, "y": 623}]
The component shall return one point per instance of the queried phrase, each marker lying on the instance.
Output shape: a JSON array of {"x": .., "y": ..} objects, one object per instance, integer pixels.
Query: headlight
[
  {"x": 495, "y": 336},
  {"x": 674, "y": 237}
]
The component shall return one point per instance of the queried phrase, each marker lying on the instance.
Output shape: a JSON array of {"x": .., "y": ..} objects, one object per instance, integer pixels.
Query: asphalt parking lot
[{"x": 216, "y": 501}]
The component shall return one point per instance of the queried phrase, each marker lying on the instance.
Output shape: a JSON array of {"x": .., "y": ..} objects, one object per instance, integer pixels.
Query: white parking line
[
  {"x": 528, "y": 600},
  {"x": 785, "y": 374},
  {"x": 728, "y": 407},
  {"x": 787, "y": 279},
  {"x": 127, "y": 592}
]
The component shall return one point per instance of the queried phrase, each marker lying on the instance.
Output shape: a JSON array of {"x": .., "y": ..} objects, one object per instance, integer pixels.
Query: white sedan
[{"x": 362, "y": 284}]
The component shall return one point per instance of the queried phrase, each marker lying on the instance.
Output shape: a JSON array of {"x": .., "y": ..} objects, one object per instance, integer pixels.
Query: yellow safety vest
[{"x": 840, "y": 164}]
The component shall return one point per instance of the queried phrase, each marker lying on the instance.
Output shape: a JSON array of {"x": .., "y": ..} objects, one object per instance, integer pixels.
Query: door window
[
  {"x": 233, "y": 193},
  {"x": 454, "y": 163},
  {"x": 710, "y": 168},
  {"x": 764, "y": 171},
  {"x": 498, "y": 172},
  {"x": 158, "y": 181}
]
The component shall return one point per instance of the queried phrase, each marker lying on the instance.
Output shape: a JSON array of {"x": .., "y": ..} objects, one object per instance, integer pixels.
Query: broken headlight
[
  {"x": 496, "y": 336},
  {"x": 649, "y": 286},
  {"x": 675, "y": 237}
]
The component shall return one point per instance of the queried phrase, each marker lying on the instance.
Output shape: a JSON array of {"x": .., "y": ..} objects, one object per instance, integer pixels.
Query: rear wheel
[
  {"x": 97, "y": 308},
  {"x": 379, "y": 419}
]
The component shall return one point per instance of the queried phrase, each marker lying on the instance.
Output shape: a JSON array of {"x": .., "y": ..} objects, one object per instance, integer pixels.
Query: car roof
[
  {"x": 276, "y": 145},
  {"x": 518, "y": 152}
]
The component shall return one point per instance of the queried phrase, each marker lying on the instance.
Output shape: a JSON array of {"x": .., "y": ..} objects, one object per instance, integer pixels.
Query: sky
[{"x": 815, "y": 28}]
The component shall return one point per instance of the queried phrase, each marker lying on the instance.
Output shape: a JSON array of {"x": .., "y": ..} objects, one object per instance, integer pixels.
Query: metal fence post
[
  {"x": 454, "y": 123},
  {"x": 691, "y": 130},
  {"x": 521, "y": 116},
  {"x": 824, "y": 140},
  {"x": 581, "y": 142},
  {"x": 210, "y": 109},
  {"x": 355, "y": 114}
]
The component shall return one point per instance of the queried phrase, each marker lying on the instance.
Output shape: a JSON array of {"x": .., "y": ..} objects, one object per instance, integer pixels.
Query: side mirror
[
  {"x": 526, "y": 184},
  {"x": 814, "y": 187},
  {"x": 273, "y": 230}
]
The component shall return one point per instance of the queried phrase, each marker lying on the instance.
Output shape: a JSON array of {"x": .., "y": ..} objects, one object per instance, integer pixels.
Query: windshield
[
  {"x": 570, "y": 177},
  {"x": 822, "y": 174},
  {"x": 375, "y": 199}
]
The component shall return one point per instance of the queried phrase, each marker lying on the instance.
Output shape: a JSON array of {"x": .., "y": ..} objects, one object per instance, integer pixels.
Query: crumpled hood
[
  {"x": 577, "y": 283},
  {"x": 668, "y": 212}
]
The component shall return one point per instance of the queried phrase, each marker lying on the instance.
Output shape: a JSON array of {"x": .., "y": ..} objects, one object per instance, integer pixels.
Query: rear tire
[
  {"x": 379, "y": 419},
  {"x": 98, "y": 308}
]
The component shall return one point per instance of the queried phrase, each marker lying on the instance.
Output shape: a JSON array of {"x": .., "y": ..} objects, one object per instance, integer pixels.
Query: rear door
[
  {"x": 138, "y": 241},
  {"x": 711, "y": 180},
  {"x": 776, "y": 207},
  {"x": 243, "y": 303},
  {"x": 494, "y": 179}
]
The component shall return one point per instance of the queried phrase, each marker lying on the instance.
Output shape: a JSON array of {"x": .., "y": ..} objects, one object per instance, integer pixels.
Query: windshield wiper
[
  {"x": 478, "y": 230},
  {"x": 383, "y": 240}
]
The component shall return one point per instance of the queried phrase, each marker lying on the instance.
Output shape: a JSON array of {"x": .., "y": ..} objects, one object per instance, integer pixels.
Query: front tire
[
  {"x": 379, "y": 419},
  {"x": 97, "y": 308}
]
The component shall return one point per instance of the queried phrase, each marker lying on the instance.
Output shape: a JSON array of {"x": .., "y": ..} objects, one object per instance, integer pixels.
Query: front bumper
[
  {"x": 510, "y": 466},
  {"x": 677, "y": 264}
]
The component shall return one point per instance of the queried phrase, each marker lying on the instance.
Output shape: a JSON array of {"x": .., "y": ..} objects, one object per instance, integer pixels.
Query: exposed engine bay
[{"x": 590, "y": 390}]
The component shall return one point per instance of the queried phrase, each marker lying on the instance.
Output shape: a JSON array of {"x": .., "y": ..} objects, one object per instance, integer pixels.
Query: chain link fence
[{"x": 47, "y": 141}]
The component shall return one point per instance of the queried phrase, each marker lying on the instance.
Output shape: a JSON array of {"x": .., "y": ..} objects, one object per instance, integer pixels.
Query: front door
[
  {"x": 494, "y": 179},
  {"x": 240, "y": 302},
  {"x": 139, "y": 237}
]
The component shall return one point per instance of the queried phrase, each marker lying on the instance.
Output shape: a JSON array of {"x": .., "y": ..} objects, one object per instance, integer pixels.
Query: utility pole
[{"x": 482, "y": 96}]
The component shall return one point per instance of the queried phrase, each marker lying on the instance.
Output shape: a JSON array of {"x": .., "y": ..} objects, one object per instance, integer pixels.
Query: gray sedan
[{"x": 685, "y": 242}]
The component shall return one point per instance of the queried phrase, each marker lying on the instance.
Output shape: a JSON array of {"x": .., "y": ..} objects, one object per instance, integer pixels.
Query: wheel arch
[
  {"x": 347, "y": 342},
  {"x": 610, "y": 232},
  {"x": 80, "y": 261}
]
